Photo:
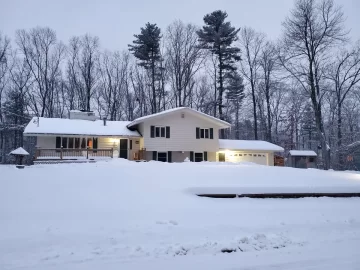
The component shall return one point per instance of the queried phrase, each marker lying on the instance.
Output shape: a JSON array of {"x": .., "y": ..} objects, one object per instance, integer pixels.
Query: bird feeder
[{"x": 19, "y": 155}]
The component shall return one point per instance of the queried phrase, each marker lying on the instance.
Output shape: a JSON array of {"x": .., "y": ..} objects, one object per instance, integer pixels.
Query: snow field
[{"x": 129, "y": 215}]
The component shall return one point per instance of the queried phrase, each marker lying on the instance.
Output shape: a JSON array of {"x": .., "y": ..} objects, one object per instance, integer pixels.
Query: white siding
[
  {"x": 46, "y": 142},
  {"x": 182, "y": 134},
  {"x": 179, "y": 156}
]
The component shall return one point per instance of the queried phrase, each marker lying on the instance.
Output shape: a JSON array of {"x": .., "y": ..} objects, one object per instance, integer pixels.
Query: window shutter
[
  {"x": 167, "y": 132},
  {"x": 211, "y": 133},
  {"x": 154, "y": 155},
  {"x": 169, "y": 157},
  {"x": 197, "y": 133},
  {"x": 152, "y": 132},
  {"x": 205, "y": 156},
  {"x": 191, "y": 156},
  {"x": 130, "y": 144},
  {"x": 58, "y": 142}
]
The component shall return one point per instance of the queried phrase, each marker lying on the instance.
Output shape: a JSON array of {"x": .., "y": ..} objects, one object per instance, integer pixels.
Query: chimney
[{"x": 104, "y": 119}]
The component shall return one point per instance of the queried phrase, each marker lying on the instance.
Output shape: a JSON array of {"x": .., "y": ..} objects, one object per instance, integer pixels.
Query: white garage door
[{"x": 258, "y": 158}]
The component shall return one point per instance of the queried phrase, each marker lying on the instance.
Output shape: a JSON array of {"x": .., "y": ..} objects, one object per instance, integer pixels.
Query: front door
[
  {"x": 222, "y": 157},
  {"x": 123, "y": 151}
]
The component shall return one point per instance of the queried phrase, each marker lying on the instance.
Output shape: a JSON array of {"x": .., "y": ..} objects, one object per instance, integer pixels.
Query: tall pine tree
[
  {"x": 146, "y": 48},
  {"x": 217, "y": 36},
  {"x": 235, "y": 94}
]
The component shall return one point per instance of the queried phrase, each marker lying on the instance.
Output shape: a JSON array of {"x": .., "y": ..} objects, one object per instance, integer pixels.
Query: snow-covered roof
[
  {"x": 302, "y": 153},
  {"x": 221, "y": 123},
  {"x": 249, "y": 145},
  {"x": 62, "y": 126},
  {"x": 19, "y": 151}
]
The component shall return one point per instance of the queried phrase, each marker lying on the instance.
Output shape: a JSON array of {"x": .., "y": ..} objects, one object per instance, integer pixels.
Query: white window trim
[{"x": 208, "y": 129}]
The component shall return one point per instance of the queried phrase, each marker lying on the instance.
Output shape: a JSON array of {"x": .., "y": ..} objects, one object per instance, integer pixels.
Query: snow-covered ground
[{"x": 127, "y": 215}]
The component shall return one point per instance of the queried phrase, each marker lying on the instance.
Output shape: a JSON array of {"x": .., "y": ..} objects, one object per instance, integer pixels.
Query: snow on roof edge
[
  {"x": 141, "y": 119},
  {"x": 302, "y": 153},
  {"x": 19, "y": 151},
  {"x": 78, "y": 127},
  {"x": 254, "y": 145}
]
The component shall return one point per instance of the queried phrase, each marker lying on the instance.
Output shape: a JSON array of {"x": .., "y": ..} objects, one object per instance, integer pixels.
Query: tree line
[{"x": 301, "y": 91}]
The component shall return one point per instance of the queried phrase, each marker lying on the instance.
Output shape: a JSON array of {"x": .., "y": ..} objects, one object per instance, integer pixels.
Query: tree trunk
[
  {"x": 339, "y": 131},
  {"x": 254, "y": 110},
  {"x": 268, "y": 115},
  {"x": 153, "y": 105}
]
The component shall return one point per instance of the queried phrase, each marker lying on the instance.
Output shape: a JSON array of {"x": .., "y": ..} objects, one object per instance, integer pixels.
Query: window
[
  {"x": 160, "y": 132},
  {"x": 89, "y": 143},
  {"x": 77, "y": 142},
  {"x": 58, "y": 142},
  {"x": 240, "y": 155},
  {"x": 311, "y": 159},
  {"x": 162, "y": 156},
  {"x": 198, "y": 157},
  {"x": 157, "y": 131},
  {"x": 204, "y": 133},
  {"x": 71, "y": 143},
  {"x": 83, "y": 143},
  {"x": 64, "y": 142}
]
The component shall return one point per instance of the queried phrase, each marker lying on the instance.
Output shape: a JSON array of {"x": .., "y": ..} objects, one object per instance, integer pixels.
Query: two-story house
[{"x": 170, "y": 136}]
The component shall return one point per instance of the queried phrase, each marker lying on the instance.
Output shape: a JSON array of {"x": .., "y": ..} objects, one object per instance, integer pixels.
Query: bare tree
[
  {"x": 251, "y": 45},
  {"x": 344, "y": 73},
  {"x": 43, "y": 54},
  {"x": 310, "y": 32},
  {"x": 113, "y": 83},
  {"x": 184, "y": 59},
  {"x": 268, "y": 64},
  {"x": 4, "y": 52},
  {"x": 87, "y": 62}
]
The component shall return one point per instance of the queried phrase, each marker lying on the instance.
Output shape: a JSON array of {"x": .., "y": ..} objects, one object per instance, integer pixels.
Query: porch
[
  {"x": 87, "y": 148},
  {"x": 72, "y": 154}
]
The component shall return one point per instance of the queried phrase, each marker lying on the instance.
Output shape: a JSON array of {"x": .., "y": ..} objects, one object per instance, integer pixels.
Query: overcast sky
[{"x": 116, "y": 21}]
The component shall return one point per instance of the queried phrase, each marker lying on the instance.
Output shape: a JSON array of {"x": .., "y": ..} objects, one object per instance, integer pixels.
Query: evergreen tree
[
  {"x": 235, "y": 94},
  {"x": 217, "y": 36},
  {"x": 146, "y": 49}
]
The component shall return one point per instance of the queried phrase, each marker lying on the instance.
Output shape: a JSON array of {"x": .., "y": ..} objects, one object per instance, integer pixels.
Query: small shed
[
  {"x": 350, "y": 156},
  {"x": 302, "y": 159}
]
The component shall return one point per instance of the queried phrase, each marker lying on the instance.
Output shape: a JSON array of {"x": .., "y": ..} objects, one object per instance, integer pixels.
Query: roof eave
[
  {"x": 84, "y": 135},
  {"x": 239, "y": 149}
]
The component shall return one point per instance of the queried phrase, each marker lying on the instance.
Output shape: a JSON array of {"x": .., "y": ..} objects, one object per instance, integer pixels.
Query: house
[
  {"x": 170, "y": 136},
  {"x": 301, "y": 159}
]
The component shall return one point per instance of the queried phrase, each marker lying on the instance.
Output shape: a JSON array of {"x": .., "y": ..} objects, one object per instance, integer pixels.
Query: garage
[
  {"x": 259, "y": 152},
  {"x": 236, "y": 156}
]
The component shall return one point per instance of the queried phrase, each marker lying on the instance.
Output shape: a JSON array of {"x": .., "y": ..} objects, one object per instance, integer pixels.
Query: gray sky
[{"x": 115, "y": 21}]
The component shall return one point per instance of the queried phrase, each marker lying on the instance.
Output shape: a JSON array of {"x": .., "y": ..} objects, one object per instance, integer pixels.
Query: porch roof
[{"x": 62, "y": 126}]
